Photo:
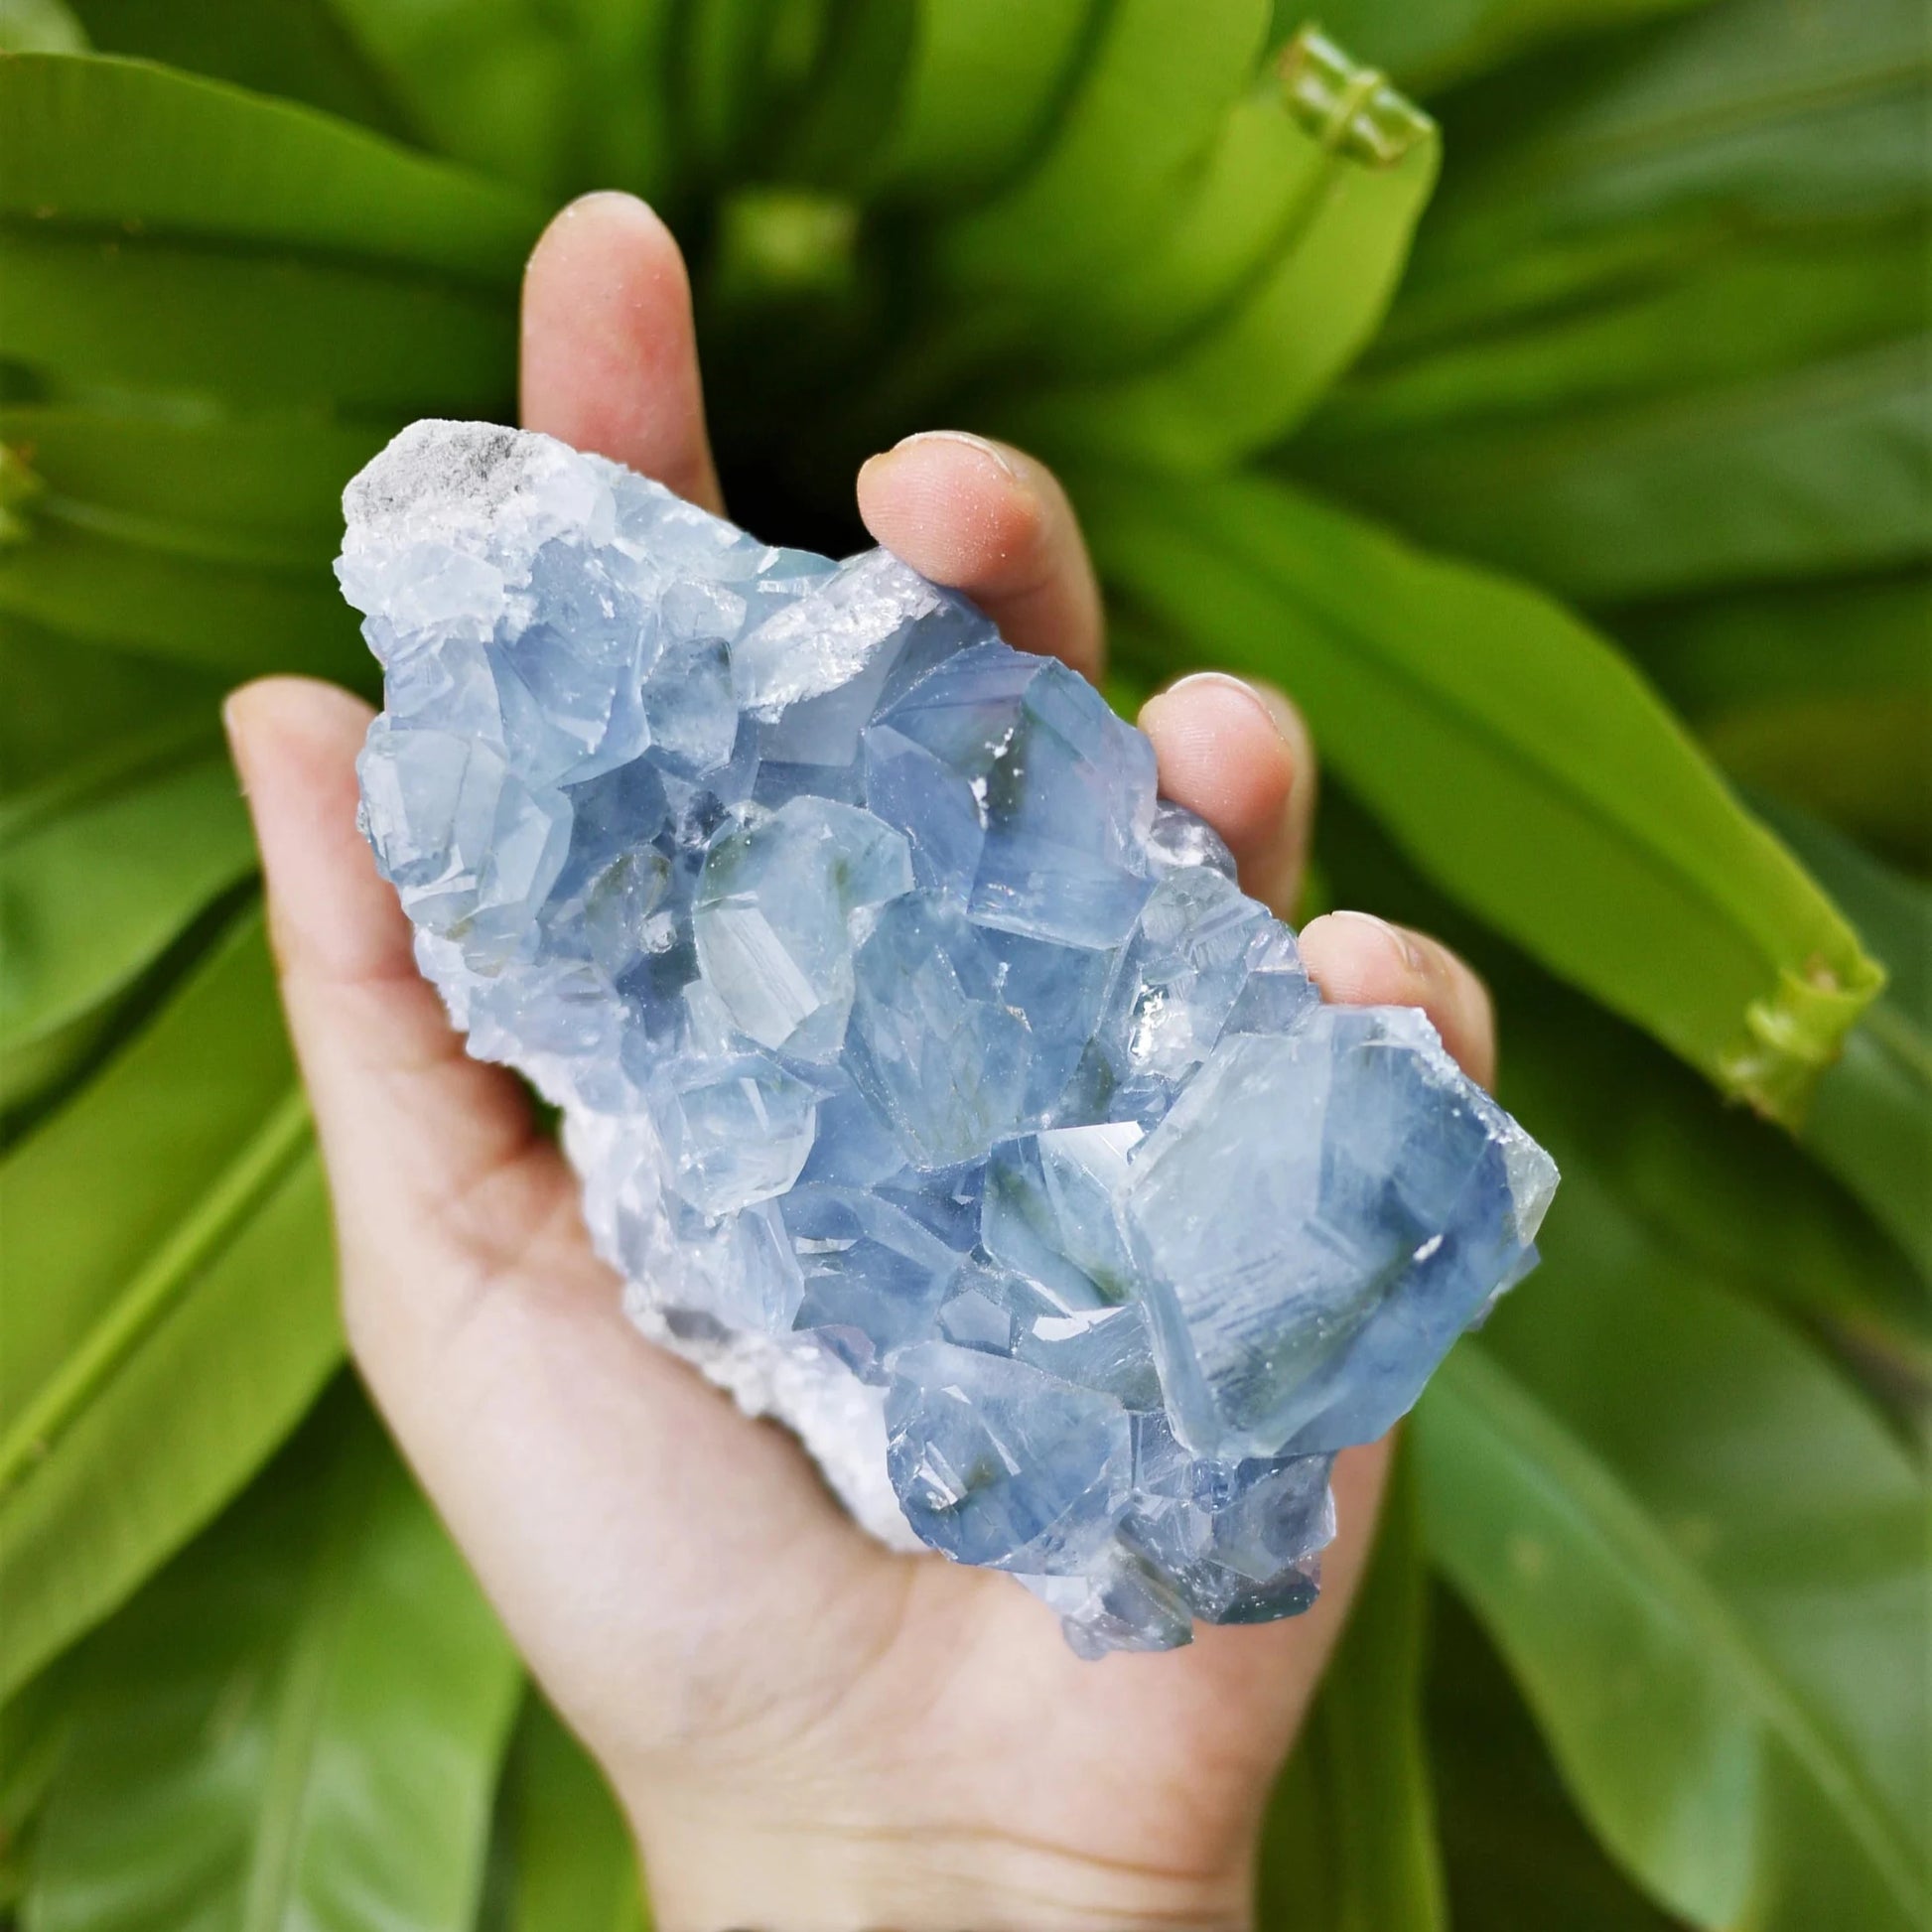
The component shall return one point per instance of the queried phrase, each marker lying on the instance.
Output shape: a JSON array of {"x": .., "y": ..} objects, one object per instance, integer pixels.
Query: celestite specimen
[{"x": 934, "y": 1087}]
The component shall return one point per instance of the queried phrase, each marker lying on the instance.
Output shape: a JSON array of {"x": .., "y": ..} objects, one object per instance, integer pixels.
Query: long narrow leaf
[
  {"x": 64, "y": 704},
  {"x": 1820, "y": 469},
  {"x": 1755, "y": 306},
  {"x": 1518, "y": 1856},
  {"x": 262, "y": 490},
  {"x": 1819, "y": 694},
  {"x": 296, "y": 49},
  {"x": 1518, "y": 760},
  {"x": 298, "y": 1723},
  {"x": 1428, "y": 44},
  {"x": 1728, "y": 1196},
  {"x": 95, "y": 888},
  {"x": 1744, "y": 116},
  {"x": 34, "y": 1726},
  {"x": 188, "y": 323},
  {"x": 127, "y": 148},
  {"x": 1664, "y": 330},
  {"x": 233, "y": 618},
  {"x": 1647, "y": 1489},
  {"x": 166, "y": 1231}
]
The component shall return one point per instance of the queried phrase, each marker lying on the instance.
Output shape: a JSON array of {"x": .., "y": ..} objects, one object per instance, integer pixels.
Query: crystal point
[{"x": 934, "y": 1087}]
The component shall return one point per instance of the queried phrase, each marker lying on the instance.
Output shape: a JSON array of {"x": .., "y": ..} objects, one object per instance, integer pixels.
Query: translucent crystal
[{"x": 934, "y": 1087}]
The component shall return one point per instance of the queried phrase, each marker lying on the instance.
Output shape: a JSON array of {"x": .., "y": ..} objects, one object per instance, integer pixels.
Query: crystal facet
[{"x": 933, "y": 1085}]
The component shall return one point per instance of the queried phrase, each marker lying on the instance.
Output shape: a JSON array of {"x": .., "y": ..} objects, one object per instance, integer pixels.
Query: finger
[
  {"x": 1358, "y": 960},
  {"x": 609, "y": 352},
  {"x": 984, "y": 518},
  {"x": 1239, "y": 755}
]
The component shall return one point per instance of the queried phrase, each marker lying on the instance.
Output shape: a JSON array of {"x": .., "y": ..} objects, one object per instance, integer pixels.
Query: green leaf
[
  {"x": 1349, "y": 1844},
  {"x": 251, "y": 332},
  {"x": 295, "y": 49},
  {"x": 574, "y": 1865},
  {"x": 1795, "y": 642},
  {"x": 983, "y": 78},
  {"x": 1145, "y": 109},
  {"x": 1704, "y": 1560},
  {"x": 1428, "y": 44},
  {"x": 1723, "y": 1192},
  {"x": 1517, "y": 1856},
  {"x": 171, "y": 234},
  {"x": 1251, "y": 372},
  {"x": 201, "y": 1264},
  {"x": 1517, "y": 758},
  {"x": 99, "y": 875},
  {"x": 1826, "y": 467},
  {"x": 232, "y": 619},
  {"x": 264, "y": 489},
  {"x": 299, "y": 1723},
  {"x": 62, "y": 702},
  {"x": 133, "y": 150},
  {"x": 205, "y": 538},
  {"x": 1754, "y": 306},
  {"x": 1872, "y": 1121},
  {"x": 34, "y": 1726},
  {"x": 1744, "y": 117},
  {"x": 1819, "y": 694},
  {"x": 1664, "y": 328}
]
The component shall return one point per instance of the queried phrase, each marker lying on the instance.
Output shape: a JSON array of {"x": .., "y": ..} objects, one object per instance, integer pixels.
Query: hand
[{"x": 806, "y": 1729}]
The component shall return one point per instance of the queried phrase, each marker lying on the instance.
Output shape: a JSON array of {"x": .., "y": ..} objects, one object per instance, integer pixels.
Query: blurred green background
[{"x": 1543, "y": 404}]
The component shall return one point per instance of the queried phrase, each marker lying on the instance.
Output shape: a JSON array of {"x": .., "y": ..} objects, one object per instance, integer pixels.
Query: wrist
[{"x": 712, "y": 1871}]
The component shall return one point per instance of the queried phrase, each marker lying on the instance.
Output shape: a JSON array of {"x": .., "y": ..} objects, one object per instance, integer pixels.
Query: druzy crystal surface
[{"x": 932, "y": 1084}]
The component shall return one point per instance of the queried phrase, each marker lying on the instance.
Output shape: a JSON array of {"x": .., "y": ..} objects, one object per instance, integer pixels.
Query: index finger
[{"x": 609, "y": 350}]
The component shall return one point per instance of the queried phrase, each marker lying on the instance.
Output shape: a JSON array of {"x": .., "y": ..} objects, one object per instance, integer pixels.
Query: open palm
[{"x": 805, "y": 1728}]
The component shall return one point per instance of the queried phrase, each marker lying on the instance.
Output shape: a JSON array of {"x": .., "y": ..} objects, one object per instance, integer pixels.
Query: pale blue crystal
[
  {"x": 999, "y": 1464},
  {"x": 775, "y": 912},
  {"x": 933, "y": 1085},
  {"x": 934, "y": 1048}
]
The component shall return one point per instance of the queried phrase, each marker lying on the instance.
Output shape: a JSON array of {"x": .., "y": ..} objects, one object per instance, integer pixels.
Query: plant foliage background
[{"x": 1563, "y": 448}]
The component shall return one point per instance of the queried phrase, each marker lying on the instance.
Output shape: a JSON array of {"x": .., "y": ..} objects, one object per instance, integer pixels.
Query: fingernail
[
  {"x": 1226, "y": 682},
  {"x": 1404, "y": 947},
  {"x": 961, "y": 436}
]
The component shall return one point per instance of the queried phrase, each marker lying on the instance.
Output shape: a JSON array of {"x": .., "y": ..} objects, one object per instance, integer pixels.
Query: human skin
[{"x": 806, "y": 1731}]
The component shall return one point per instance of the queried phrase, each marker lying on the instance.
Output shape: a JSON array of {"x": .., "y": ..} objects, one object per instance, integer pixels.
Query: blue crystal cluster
[{"x": 933, "y": 1085}]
